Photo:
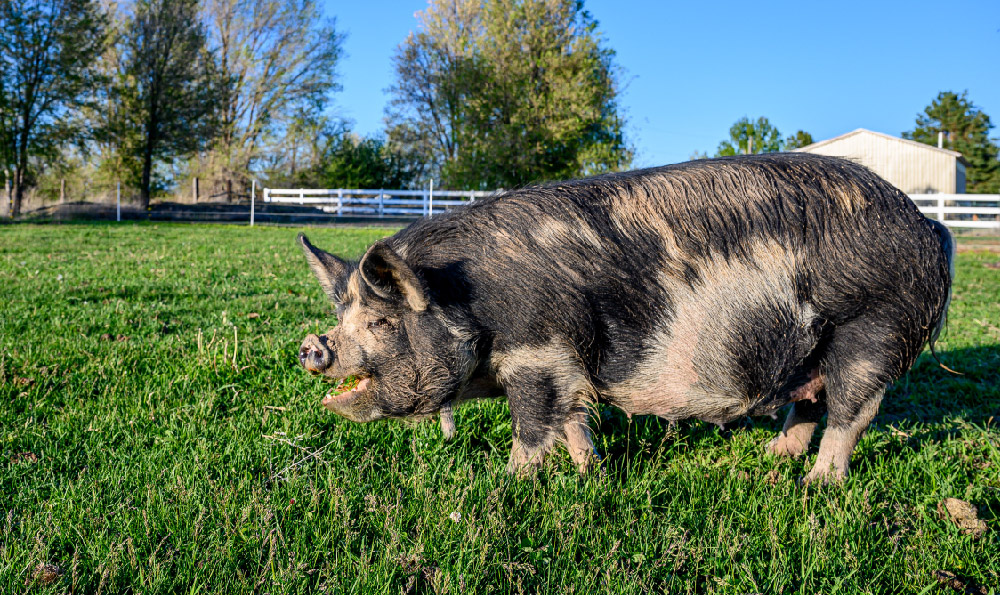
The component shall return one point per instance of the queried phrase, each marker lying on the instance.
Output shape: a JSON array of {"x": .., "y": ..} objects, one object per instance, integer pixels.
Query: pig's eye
[{"x": 381, "y": 322}]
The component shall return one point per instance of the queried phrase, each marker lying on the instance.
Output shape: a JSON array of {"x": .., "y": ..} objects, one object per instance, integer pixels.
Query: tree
[
  {"x": 47, "y": 49},
  {"x": 751, "y": 137},
  {"x": 798, "y": 140},
  {"x": 966, "y": 130},
  {"x": 505, "y": 92},
  {"x": 276, "y": 59},
  {"x": 353, "y": 162},
  {"x": 166, "y": 91}
]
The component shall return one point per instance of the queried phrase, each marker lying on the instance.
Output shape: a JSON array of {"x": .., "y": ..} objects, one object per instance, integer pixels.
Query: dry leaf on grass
[
  {"x": 44, "y": 574},
  {"x": 964, "y": 515},
  {"x": 948, "y": 579}
]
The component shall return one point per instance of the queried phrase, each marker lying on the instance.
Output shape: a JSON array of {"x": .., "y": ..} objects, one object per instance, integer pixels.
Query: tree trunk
[
  {"x": 8, "y": 195},
  {"x": 15, "y": 209},
  {"x": 147, "y": 170},
  {"x": 229, "y": 190}
]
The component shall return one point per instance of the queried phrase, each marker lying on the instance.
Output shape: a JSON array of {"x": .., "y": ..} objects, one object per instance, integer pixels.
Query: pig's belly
[{"x": 729, "y": 349}]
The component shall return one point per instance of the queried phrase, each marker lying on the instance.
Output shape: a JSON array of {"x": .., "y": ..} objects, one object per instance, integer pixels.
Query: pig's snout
[{"x": 314, "y": 355}]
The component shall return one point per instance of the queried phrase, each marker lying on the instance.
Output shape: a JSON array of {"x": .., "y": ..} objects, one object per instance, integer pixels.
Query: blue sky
[{"x": 694, "y": 68}]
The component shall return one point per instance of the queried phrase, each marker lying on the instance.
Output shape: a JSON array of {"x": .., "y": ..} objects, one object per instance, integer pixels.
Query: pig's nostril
[{"x": 317, "y": 358}]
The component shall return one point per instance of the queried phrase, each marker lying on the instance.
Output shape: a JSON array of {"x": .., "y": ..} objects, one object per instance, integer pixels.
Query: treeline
[
  {"x": 151, "y": 93},
  {"x": 147, "y": 92}
]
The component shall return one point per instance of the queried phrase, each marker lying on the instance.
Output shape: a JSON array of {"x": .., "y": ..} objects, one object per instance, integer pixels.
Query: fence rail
[
  {"x": 954, "y": 210},
  {"x": 961, "y": 210},
  {"x": 375, "y": 203}
]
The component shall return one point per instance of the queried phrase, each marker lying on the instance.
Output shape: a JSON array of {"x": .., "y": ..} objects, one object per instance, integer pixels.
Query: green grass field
[{"x": 158, "y": 436}]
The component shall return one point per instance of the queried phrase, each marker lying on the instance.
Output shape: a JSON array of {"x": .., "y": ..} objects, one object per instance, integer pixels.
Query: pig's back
[{"x": 655, "y": 275}]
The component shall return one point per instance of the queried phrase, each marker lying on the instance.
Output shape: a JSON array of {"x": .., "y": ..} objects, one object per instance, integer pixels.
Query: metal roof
[{"x": 883, "y": 135}]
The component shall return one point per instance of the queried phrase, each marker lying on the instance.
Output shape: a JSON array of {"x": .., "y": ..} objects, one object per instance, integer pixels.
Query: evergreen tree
[
  {"x": 167, "y": 91},
  {"x": 798, "y": 140},
  {"x": 746, "y": 136},
  {"x": 966, "y": 130}
]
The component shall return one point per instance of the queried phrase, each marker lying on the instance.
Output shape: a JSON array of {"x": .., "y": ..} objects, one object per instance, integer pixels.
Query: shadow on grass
[{"x": 928, "y": 395}]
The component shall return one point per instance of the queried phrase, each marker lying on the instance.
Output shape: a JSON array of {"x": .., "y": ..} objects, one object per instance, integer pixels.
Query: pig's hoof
[
  {"x": 524, "y": 463},
  {"x": 523, "y": 470},
  {"x": 784, "y": 445},
  {"x": 824, "y": 475},
  {"x": 448, "y": 422},
  {"x": 587, "y": 464}
]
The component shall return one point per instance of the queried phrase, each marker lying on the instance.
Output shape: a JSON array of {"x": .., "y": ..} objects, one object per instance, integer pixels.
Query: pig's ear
[
  {"x": 390, "y": 277},
  {"x": 327, "y": 267}
]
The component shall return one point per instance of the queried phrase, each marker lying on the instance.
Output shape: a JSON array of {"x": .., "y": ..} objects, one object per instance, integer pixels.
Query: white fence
[
  {"x": 955, "y": 210},
  {"x": 375, "y": 203},
  {"x": 961, "y": 210}
]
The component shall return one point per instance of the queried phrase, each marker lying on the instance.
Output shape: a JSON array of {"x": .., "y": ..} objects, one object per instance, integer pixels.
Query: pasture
[{"x": 158, "y": 436}]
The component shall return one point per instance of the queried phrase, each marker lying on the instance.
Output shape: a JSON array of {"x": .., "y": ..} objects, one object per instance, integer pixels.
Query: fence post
[
  {"x": 253, "y": 197},
  {"x": 194, "y": 189},
  {"x": 381, "y": 198},
  {"x": 340, "y": 202},
  {"x": 302, "y": 197},
  {"x": 940, "y": 205},
  {"x": 430, "y": 203},
  {"x": 118, "y": 201}
]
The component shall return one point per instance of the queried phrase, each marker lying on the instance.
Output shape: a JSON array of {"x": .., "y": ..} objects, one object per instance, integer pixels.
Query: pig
[{"x": 714, "y": 289}]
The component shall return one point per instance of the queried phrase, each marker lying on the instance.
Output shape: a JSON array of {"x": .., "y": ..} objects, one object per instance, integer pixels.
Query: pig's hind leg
[
  {"x": 864, "y": 355},
  {"x": 808, "y": 408}
]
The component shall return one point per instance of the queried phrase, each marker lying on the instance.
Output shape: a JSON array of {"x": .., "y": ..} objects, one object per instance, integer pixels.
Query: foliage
[
  {"x": 276, "y": 63},
  {"x": 499, "y": 93},
  {"x": 353, "y": 162},
  {"x": 966, "y": 130},
  {"x": 47, "y": 50},
  {"x": 158, "y": 436},
  {"x": 334, "y": 157},
  {"x": 167, "y": 88},
  {"x": 798, "y": 140},
  {"x": 760, "y": 136}
]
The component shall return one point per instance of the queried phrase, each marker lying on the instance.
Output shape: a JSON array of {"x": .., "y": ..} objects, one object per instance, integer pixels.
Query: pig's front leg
[
  {"x": 447, "y": 421},
  {"x": 579, "y": 443},
  {"x": 543, "y": 412}
]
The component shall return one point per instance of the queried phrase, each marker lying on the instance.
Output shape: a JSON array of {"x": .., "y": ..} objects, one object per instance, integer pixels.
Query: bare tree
[
  {"x": 276, "y": 60},
  {"x": 47, "y": 50}
]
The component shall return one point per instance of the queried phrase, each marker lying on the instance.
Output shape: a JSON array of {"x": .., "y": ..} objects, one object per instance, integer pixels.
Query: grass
[{"x": 157, "y": 436}]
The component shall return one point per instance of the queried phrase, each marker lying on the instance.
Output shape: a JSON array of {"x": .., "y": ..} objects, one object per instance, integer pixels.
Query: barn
[{"x": 913, "y": 167}]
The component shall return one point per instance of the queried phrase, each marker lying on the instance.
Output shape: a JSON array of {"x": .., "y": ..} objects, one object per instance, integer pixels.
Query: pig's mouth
[{"x": 337, "y": 402}]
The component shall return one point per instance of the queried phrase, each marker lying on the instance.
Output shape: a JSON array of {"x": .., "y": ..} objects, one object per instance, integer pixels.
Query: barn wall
[{"x": 911, "y": 168}]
